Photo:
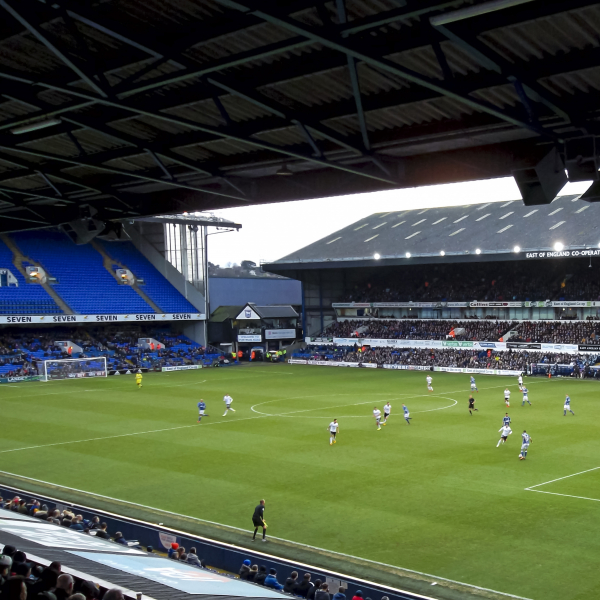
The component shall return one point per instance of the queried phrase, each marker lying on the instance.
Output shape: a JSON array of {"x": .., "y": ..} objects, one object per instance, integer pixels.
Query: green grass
[{"x": 436, "y": 496}]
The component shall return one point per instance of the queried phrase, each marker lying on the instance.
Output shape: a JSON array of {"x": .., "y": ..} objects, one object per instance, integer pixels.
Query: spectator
[
  {"x": 45, "y": 582},
  {"x": 253, "y": 573},
  {"x": 76, "y": 523},
  {"x": 89, "y": 590},
  {"x": 261, "y": 575},
  {"x": 291, "y": 583},
  {"x": 193, "y": 559},
  {"x": 5, "y": 565},
  {"x": 304, "y": 586},
  {"x": 14, "y": 589},
  {"x": 323, "y": 592},
  {"x": 102, "y": 533},
  {"x": 341, "y": 596},
  {"x": 9, "y": 550},
  {"x": 183, "y": 557},
  {"x": 358, "y": 595},
  {"x": 180, "y": 551},
  {"x": 120, "y": 539},
  {"x": 245, "y": 569},
  {"x": 77, "y": 596},
  {"x": 172, "y": 549},
  {"x": 114, "y": 594},
  {"x": 311, "y": 593},
  {"x": 64, "y": 587},
  {"x": 271, "y": 580}
]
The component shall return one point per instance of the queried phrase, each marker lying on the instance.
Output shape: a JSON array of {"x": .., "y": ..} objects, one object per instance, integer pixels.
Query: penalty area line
[
  {"x": 247, "y": 531},
  {"x": 531, "y": 488}
]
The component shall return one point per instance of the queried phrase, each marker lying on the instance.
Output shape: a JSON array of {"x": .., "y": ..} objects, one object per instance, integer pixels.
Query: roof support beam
[
  {"x": 362, "y": 122},
  {"x": 42, "y": 37},
  {"x": 356, "y": 51},
  {"x": 493, "y": 61}
]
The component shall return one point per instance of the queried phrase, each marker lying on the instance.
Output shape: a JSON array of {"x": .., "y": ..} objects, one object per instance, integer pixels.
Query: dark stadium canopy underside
[
  {"x": 499, "y": 230},
  {"x": 135, "y": 108}
]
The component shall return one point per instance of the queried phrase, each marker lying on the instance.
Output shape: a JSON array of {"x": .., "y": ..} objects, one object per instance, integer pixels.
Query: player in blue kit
[
  {"x": 525, "y": 397},
  {"x": 567, "y": 406},
  {"x": 201, "y": 409},
  {"x": 473, "y": 385},
  {"x": 407, "y": 416},
  {"x": 506, "y": 420},
  {"x": 526, "y": 440}
]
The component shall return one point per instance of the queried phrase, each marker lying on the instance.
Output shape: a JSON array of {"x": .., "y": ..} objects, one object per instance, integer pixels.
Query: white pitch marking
[
  {"x": 530, "y": 488},
  {"x": 110, "y": 437},
  {"x": 560, "y": 478}
]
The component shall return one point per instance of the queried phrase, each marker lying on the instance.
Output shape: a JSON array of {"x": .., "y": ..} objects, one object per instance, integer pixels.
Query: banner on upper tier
[
  {"x": 182, "y": 368},
  {"x": 130, "y": 318}
]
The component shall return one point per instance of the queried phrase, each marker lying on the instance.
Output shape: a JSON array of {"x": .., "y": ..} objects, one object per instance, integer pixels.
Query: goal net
[{"x": 74, "y": 368}]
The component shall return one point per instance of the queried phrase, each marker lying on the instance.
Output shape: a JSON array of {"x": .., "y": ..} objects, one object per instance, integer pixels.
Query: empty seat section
[
  {"x": 83, "y": 282},
  {"x": 156, "y": 287},
  {"x": 27, "y": 298}
]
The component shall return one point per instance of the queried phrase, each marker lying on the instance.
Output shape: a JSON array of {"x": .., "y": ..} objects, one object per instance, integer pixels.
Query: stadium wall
[{"x": 233, "y": 291}]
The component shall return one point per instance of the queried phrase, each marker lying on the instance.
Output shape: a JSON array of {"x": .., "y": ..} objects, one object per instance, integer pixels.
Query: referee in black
[{"x": 259, "y": 521}]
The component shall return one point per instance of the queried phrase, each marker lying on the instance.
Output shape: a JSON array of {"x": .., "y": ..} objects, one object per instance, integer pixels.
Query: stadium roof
[
  {"x": 144, "y": 107},
  {"x": 479, "y": 232}
]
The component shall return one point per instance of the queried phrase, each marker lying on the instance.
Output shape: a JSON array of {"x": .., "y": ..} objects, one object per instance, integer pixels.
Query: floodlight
[
  {"x": 517, "y": 249},
  {"x": 408, "y": 255},
  {"x": 477, "y": 251},
  {"x": 376, "y": 256},
  {"x": 558, "y": 246},
  {"x": 442, "y": 253}
]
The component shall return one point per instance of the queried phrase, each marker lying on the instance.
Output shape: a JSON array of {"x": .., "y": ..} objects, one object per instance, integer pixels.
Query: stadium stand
[
  {"x": 481, "y": 330},
  {"x": 559, "y": 332},
  {"x": 155, "y": 285},
  {"x": 21, "y": 350},
  {"x": 453, "y": 357},
  {"x": 83, "y": 282},
  {"x": 26, "y": 298}
]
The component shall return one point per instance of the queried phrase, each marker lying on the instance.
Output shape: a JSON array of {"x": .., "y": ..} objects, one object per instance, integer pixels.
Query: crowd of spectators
[
  {"x": 302, "y": 588},
  {"x": 516, "y": 281},
  {"x": 421, "y": 329},
  {"x": 565, "y": 332},
  {"x": 449, "y": 357},
  {"x": 24, "y": 349}
]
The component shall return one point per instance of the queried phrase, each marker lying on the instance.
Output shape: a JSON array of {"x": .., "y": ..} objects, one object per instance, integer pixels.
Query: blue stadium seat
[
  {"x": 27, "y": 298},
  {"x": 157, "y": 288},
  {"x": 83, "y": 282}
]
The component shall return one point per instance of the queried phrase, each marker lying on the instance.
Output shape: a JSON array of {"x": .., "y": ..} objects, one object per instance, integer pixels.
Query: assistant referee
[{"x": 259, "y": 521}]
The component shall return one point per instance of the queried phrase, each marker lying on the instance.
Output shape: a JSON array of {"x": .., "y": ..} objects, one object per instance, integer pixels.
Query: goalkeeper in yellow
[{"x": 138, "y": 379}]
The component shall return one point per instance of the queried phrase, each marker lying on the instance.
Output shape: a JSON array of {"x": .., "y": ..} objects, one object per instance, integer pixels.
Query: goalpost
[{"x": 74, "y": 368}]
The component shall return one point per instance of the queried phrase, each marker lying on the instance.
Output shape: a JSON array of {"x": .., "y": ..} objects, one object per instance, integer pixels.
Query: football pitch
[{"x": 436, "y": 496}]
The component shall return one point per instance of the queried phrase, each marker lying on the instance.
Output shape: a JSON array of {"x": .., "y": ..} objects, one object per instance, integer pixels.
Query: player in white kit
[
  {"x": 505, "y": 431},
  {"x": 334, "y": 427},
  {"x": 228, "y": 400},
  {"x": 429, "y": 381},
  {"x": 507, "y": 397},
  {"x": 377, "y": 415},
  {"x": 520, "y": 381},
  {"x": 387, "y": 411}
]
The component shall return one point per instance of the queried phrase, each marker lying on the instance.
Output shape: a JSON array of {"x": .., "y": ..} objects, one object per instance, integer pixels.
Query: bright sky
[{"x": 271, "y": 231}]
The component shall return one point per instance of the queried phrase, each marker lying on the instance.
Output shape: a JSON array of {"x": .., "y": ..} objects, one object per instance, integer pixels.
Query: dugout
[{"x": 461, "y": 262}]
